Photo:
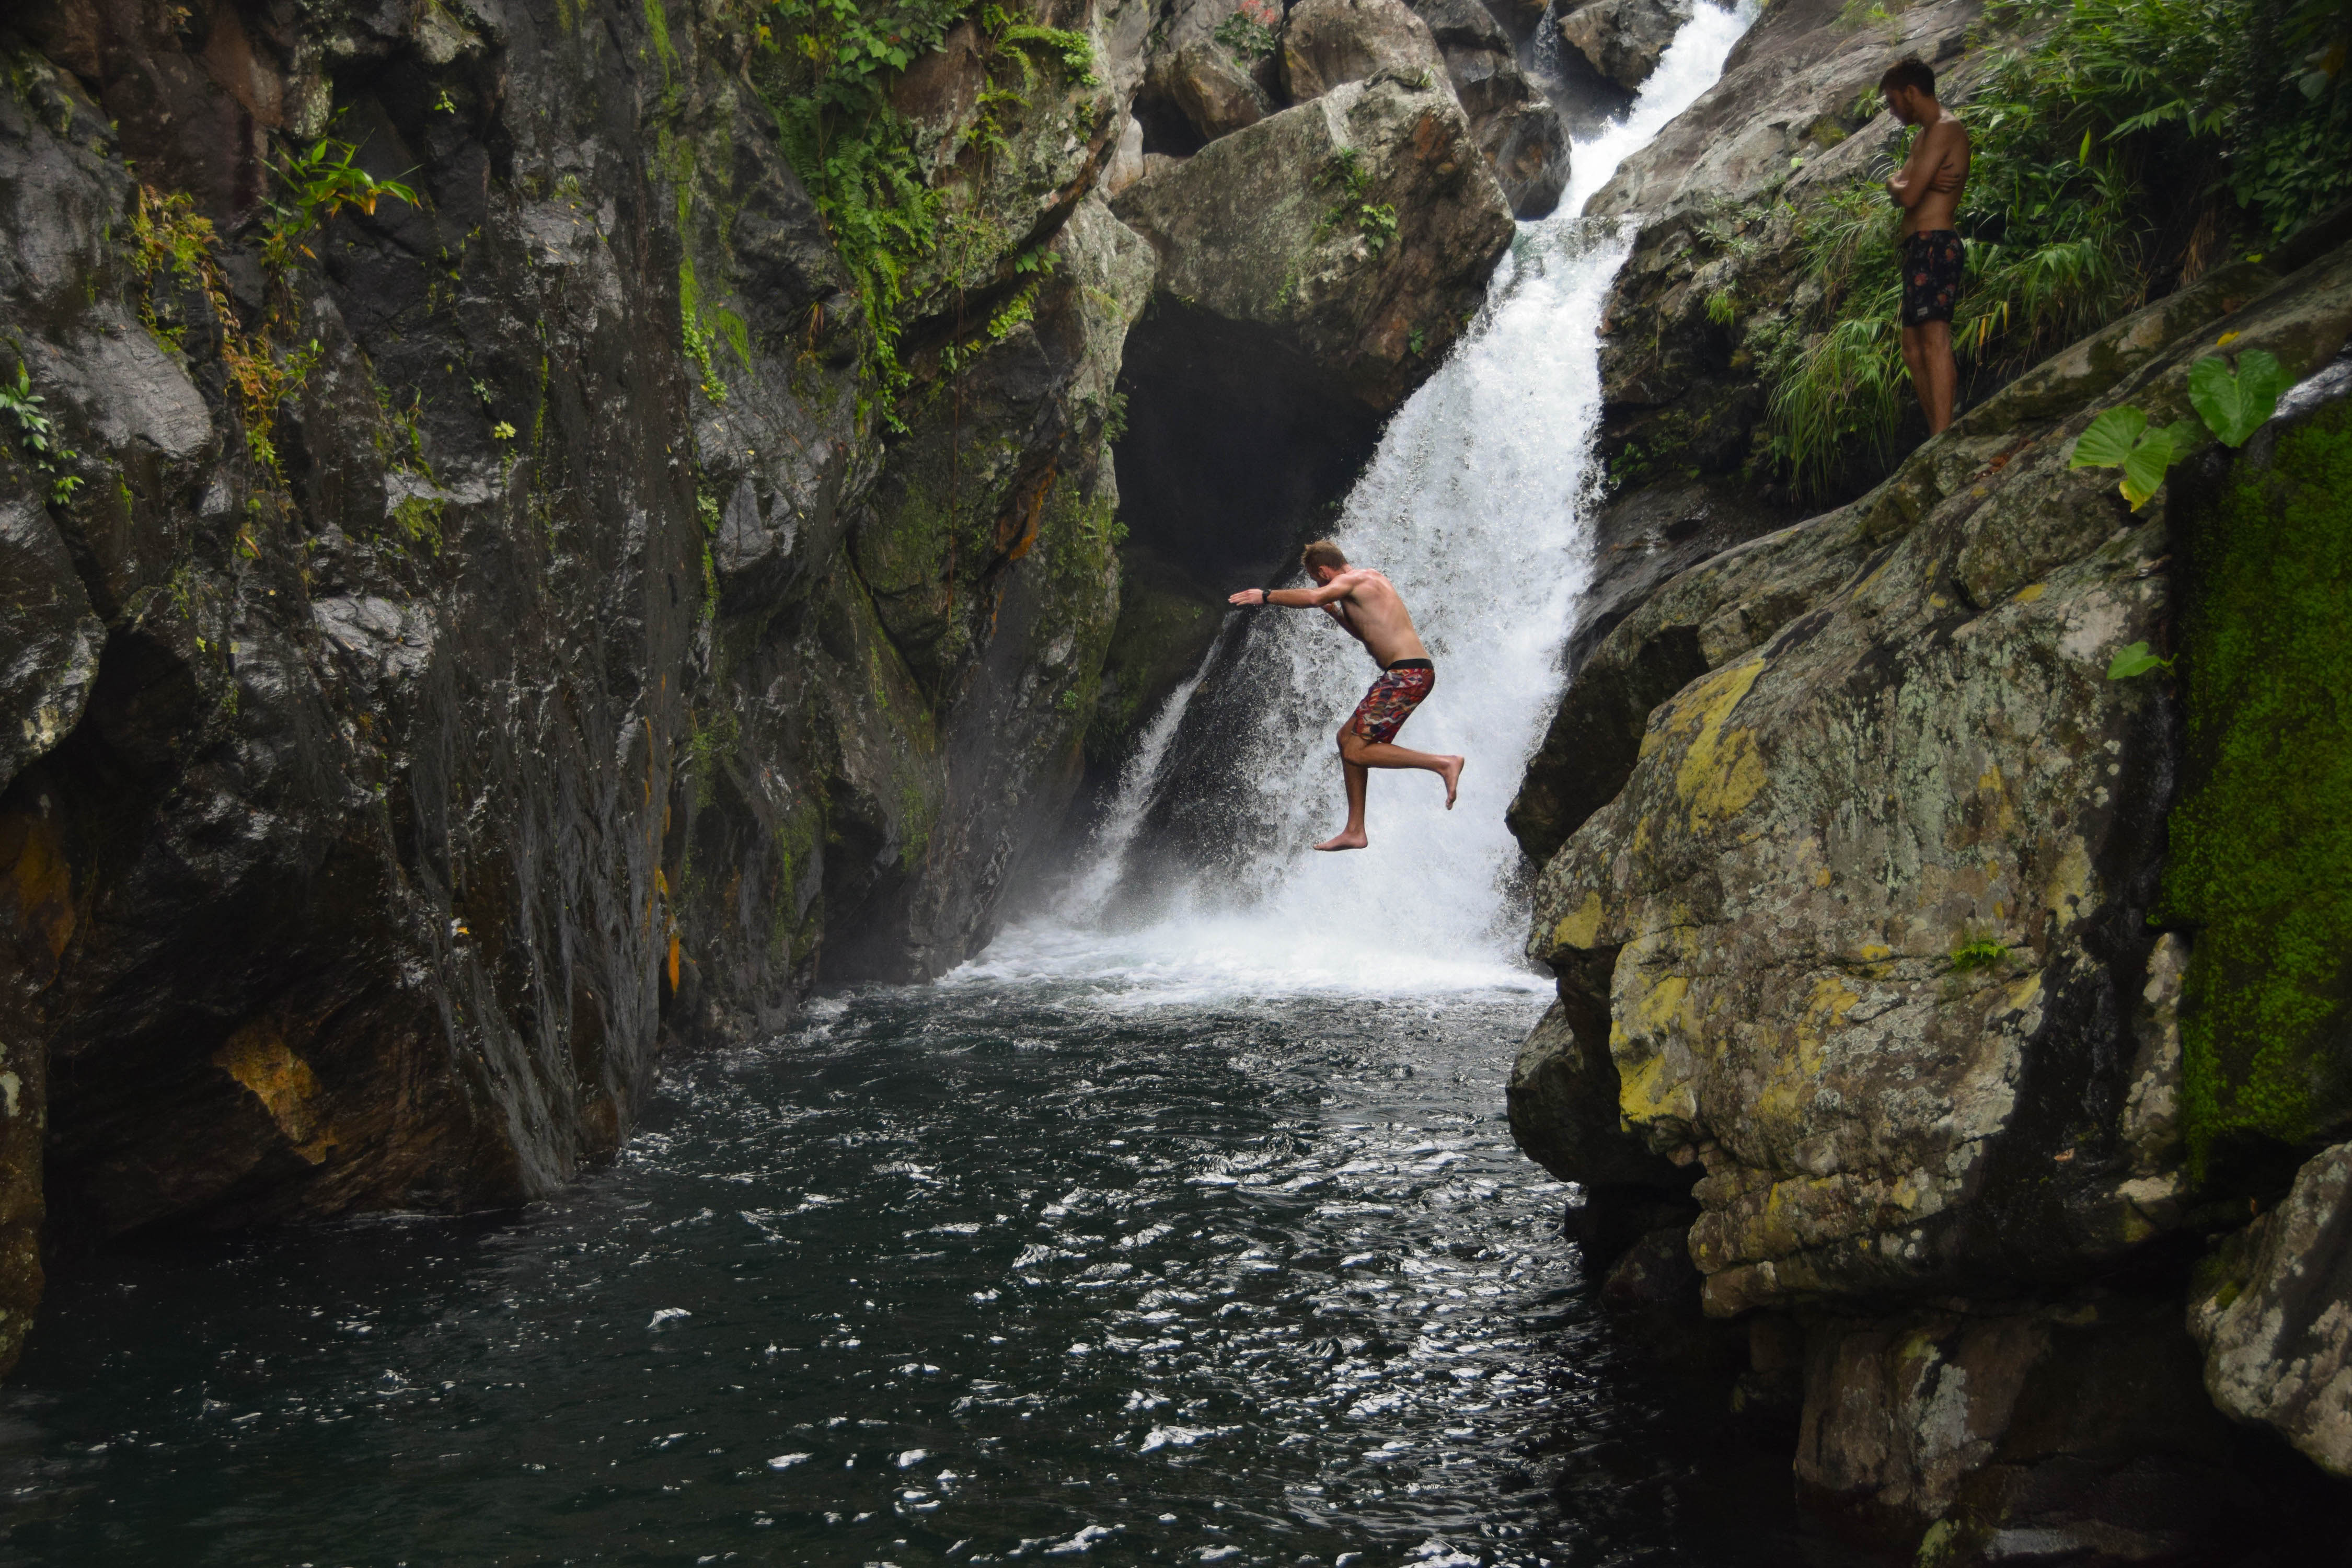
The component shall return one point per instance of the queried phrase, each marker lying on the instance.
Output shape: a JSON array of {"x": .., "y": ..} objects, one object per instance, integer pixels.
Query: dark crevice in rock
[{"x": 1236, "y": 444}]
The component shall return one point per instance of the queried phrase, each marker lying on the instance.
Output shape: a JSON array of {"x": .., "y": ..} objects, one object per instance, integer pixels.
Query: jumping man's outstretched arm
[{"x": 1298, "y": 598}]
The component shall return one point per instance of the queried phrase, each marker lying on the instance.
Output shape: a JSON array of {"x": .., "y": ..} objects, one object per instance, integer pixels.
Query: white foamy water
[{"x": 1477, "y": 505}]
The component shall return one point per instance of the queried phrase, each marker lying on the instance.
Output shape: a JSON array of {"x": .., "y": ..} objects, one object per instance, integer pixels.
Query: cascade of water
[{"x": 1477, "y": 505}]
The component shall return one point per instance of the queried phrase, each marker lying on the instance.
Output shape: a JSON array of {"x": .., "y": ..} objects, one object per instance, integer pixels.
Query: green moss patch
[{"x": 2261, "y": 854}]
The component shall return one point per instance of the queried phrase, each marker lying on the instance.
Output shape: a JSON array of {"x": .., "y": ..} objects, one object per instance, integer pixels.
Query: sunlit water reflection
[{"x": 963, "y": 1274}]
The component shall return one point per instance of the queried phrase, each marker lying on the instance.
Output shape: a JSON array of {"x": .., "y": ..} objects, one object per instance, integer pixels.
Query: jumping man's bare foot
[
  {"x": 1344, "y": 841},
  {"x": 1451, "y": 773}
]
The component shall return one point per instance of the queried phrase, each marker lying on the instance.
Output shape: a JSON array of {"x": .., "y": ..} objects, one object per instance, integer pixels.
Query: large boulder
[
  {"x": 1515, "y": 126},
  {"x": 1355, "y": 231},
  {"x": 1330, "y": 42},
  {"x": 2274, "y": 1319},
  {"x": 1212, "y": 85},
  {"x": 1623, "y": 39}
]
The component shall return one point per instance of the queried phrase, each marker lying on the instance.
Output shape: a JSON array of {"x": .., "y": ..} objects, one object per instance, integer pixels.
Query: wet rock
[
  {"x": 1167, "y": 619},
  {"x": 2271, "y": 1312},
  {"x": 1326, "y": 43},
  {"x": 1514, "y": 125},
  {"x": 1995, "y": 1436},
  {"x": 46, "y": 626},
  {"x": 1649, "y": 537},
  {"x": 1623, "y": 39},
  {"x": 1355, "y": 232},
  {"x": 1215, "y": 92},
  {"x": 557, "y": 667},
  {"x": 989, "y": 550}
]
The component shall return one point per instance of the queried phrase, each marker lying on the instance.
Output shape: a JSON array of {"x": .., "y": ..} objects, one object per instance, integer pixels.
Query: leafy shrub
[
  {"x": 857, "y": 154},
  {"x": 1978, "y": 953},
  {"x": 36, "y": 434},
  {"x": 1251, "y": 33}
]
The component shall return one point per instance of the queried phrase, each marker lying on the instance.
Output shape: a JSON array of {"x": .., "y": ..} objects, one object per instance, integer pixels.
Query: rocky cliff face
[
  {"x": 463, "y": 636},
  {"x": 1929, "y": 988}
]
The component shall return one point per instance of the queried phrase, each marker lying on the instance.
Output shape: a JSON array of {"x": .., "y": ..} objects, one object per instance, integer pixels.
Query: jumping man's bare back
[{"x": 1369, "y": 608}]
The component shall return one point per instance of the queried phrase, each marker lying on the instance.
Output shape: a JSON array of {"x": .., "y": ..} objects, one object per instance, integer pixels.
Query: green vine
[
  {"x": 827, "y": 80},
  {"x": 1345, "y": 174},
  {"x": 37, "y": 436},
  {"x": 1249, "y": 34},
  {"x": 170, "y": 239}
]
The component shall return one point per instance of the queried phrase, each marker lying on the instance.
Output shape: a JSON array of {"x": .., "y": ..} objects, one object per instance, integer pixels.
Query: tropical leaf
[
  {"x": 2110, "y": 439},
  {"x": 2121, "y": 438},
  {"x": 2234, "y": 406},
  {"x": 2134, "y": 660}
]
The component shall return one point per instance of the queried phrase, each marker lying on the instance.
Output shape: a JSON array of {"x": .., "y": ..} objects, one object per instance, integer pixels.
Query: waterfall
[{"x": 1477, "y": 505}]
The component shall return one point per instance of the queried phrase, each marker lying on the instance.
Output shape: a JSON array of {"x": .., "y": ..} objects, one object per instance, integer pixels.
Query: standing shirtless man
[
  {"x": 1928, "y": 191},
  {"x": 1366, "y": 607}
]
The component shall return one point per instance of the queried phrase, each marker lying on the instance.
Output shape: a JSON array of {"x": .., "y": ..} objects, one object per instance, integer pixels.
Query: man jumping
[
  {"x": 1366, "y": 607},
  {"x": 1928, "y": 191}
]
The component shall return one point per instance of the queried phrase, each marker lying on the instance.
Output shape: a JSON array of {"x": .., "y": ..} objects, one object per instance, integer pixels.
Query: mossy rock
[{"x": 2261, "y": 843}]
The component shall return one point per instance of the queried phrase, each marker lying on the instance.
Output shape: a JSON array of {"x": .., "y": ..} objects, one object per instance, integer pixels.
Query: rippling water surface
[{"x": 972, "y": 1273}]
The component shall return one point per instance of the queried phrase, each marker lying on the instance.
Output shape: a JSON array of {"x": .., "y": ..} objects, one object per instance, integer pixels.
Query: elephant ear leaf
[
  {"x": 2235, "y": 405},
  {"x": 2145, "y": 464},
  {"x": 2110, "y": 438}
]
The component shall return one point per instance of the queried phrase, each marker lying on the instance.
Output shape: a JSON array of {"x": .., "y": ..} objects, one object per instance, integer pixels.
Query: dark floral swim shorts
[
  {"x": 1393, "y": 698},
  {"x": 1932, "y": 264}
]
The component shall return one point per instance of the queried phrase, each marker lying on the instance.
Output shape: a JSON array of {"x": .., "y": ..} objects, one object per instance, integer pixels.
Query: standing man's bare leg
[
  {"x": 1915, "y": 360},
  {"x": 1942, "y": 386}
]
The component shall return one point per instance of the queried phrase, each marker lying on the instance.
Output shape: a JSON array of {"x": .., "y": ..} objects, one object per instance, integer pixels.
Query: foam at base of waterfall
[
  {"x": 1477, "y": 505},
  {"x": 1209, "y": 956}
]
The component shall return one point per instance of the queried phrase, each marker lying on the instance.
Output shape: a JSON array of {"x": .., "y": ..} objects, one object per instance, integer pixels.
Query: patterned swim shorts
[
  {"x": 1393, "y": 697},
  {"x": 1932, "y": 264}
]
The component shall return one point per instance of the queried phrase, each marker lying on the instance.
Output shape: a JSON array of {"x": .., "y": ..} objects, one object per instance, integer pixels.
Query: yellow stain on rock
[
  {"x": 1647, "y": 1095},
  {"x": 1721, "y": 772},
  {"x": 1580, "y": 928},
  {"x": 39, "y": 880},
  {"x": 1664, "y": 1007},
  {"x": 2031, "y": 592},
  {"x": 1826, "y": 1011},
  {"x": 1648, "y": 1091},
  {"x": 259, "y": 1057},
  {"x": 2069, "y": 884}
]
